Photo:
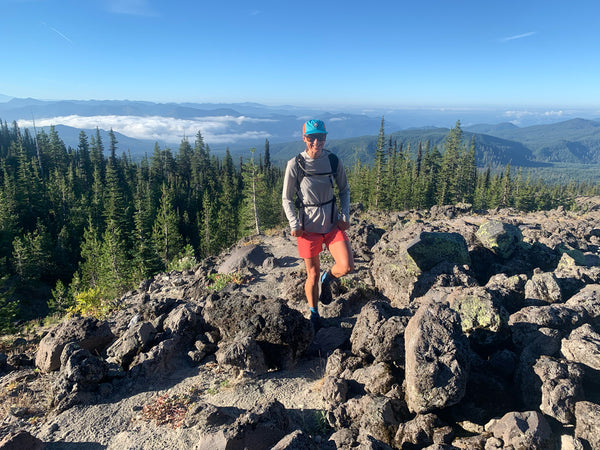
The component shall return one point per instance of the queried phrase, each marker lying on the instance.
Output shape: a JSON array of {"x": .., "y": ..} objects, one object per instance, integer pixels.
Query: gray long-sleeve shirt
[{"x": 315, "y": 189}]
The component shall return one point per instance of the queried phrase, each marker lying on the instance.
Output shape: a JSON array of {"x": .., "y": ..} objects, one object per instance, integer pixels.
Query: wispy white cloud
[
  {"x": 62, "y": 35},
  {"x": 215, "y": 130},
  {"x": 518, "y": 36}
]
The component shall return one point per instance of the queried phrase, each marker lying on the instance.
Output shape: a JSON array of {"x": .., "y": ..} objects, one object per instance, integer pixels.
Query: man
[{"x": 311, "y": 176}]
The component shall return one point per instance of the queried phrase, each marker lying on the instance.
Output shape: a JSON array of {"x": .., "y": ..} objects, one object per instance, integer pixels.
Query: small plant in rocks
[
  {"x": 219, "y": 280},
  {"x": 167, "y": 410}
]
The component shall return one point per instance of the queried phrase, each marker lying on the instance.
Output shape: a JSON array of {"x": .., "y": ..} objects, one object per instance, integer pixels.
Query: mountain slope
[
  {"x": 489, "y": 149},
  {"x": 571, "y": 141}
]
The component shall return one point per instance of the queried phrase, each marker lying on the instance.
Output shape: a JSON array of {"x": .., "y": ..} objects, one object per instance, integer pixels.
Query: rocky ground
[{"x": 458, "y": 329}]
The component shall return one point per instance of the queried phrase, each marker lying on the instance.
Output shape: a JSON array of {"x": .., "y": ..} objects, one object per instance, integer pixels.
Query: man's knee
[
  {"x": 312, "y": 275},
  {"x": 347, "y": 268}
]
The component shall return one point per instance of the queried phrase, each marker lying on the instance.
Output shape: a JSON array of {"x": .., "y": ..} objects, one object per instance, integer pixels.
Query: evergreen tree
[
  {"x": 252, "y": 207},
  {"x": 90, "y": 272},
  {"x": 8, "y": 307},
  {"x": 229, "y": 202},
  {"x": 146, "y": 259},
  {"x": 379, "y": 169},
  {"x": 32, "y": 254},
  {"x": 449, "y": 180},
  {"x": 97, "y": 154},
  {"x": 468, "y": 174},
  {"x": 165, "y": 232},
  {"x": 208, "y": 226},
  {"x": 115, "y": 267},
  {"x": 85, "y": 162},
  {"x": 267, "y": 155}
]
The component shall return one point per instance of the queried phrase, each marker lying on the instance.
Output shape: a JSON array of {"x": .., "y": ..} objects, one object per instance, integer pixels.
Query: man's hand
[
  {"x": 343, "y": 225},
  {"x": 297, "y": 233}
]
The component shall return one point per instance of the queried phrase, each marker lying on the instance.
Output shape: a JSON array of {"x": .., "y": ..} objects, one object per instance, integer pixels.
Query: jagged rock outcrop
[{"x": 457, "y": 330}]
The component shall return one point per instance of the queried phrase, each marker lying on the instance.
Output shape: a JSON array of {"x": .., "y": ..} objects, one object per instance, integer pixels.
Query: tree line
[
  {"x": 78, "y": 227},
  {"x": 401, "y": 179},
  {"x": 92, "y": 224}
]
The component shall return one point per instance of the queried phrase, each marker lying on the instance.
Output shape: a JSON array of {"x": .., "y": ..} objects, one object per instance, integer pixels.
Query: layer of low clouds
[
  {"x": 215, "y": 130},
  {"x": 518, "y": 117}
]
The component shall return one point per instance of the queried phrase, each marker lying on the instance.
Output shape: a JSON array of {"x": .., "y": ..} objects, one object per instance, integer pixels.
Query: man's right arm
[{"x": 287, "y": 196}]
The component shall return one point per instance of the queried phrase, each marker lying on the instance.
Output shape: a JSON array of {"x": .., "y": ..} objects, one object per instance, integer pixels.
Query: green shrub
[
  {"x": 184, "y": 261},
  {"x": 92, "y": 302},
  {"x": 220, "y": 280}
]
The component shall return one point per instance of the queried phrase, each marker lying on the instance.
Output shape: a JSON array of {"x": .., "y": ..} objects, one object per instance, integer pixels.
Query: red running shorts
[{"x": 311, "y": 244}]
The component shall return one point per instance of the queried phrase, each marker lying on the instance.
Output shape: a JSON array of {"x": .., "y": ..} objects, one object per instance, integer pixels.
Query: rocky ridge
[{"x": 459, "y": 329}]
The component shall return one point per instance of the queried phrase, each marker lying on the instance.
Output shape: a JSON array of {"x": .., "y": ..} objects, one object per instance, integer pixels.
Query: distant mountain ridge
[
  {"x": 241, "y": 126},
  {"x": 572, "y": 141}
]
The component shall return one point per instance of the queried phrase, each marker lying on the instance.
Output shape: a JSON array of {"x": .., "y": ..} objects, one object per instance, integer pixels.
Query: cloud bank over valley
[{"x": 215, "y": 130}]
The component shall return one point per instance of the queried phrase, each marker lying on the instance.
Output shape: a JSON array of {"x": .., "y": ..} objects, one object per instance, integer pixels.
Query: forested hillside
[
  {"x": 79, "y": 226},
  {"x": 571, "y": 141},
  {"x": 92, "y": 226}
]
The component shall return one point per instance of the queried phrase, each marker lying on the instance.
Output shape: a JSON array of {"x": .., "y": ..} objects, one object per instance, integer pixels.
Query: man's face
[{"x": 314, "y": 144}]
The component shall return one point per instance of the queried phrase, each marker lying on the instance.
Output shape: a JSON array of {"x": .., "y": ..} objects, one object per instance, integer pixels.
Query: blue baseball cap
[{"x": 314, "y": 127}]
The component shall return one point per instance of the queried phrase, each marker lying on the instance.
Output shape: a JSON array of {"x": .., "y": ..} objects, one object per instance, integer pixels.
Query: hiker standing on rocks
[{"x": 310, "y": 177}]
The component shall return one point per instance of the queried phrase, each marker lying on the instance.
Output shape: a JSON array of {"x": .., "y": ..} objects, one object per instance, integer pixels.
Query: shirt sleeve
[
  {"x": 287, "y": 196},
  {"x": 344, "y": 189}
]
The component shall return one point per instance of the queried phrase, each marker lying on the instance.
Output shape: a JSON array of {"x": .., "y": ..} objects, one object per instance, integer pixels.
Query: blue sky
[{"x": 329, "y": 53}]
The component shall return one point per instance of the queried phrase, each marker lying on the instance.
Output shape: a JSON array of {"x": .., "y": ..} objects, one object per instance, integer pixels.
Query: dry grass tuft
[{"x": 165, "y": 410}]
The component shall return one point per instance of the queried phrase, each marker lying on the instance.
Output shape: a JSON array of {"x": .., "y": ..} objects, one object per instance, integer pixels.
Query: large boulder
[
  {"x": 499, "y": 237},
  {"x": 582, "y": 346},
  {"x": 183, "y": 322},
  {"x": 136, "y": 339},
  {"x": 587, "y": 417},
  {"x": 535, "y": 343},
  {"x": 259, "y": 429},
  {"x": 523, "y": 430},
  {"x": 431, "y": 248},
  {"x": 482, "y": 319},
  {"x": 377, "y": 379},
  {"x": 558, "y": 316},
  {"x": 403, "y": 257},
  {"x": 80, "y": 366},
  {"x": 281, "y": 332},
  {"x": 243, "y": 356},
  {"x": 561, "y": 387},
  {"x": 368, "y": 415},
  {"x": 87, "y": 332},
  {"x": 80, "y": 376},
  {"x": 423, "y": 430},
  {"x": 437, "y": 359},
  {"x": 588, "y": 299},
  {"x": 509, "y": 291},
  {"x": 378, "y": 333},
  {"x": 248, "y": 256},
  {"x": 20, "y": 440},
  {"x": 543, "y": 286},
  {"x": 157, "y": 361}
]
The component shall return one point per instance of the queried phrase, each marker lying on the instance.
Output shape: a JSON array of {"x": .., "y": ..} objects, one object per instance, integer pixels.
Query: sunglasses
[{"x": 318, "y": 137}]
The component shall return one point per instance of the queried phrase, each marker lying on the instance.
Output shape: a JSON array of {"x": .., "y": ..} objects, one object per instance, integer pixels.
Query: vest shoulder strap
[{"x": 333, "y": 162}]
